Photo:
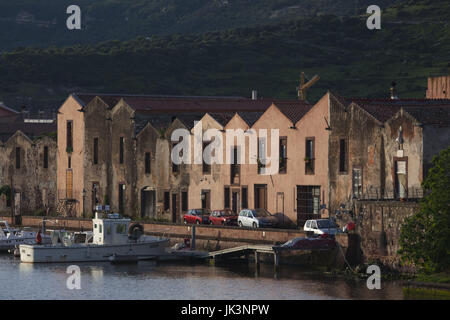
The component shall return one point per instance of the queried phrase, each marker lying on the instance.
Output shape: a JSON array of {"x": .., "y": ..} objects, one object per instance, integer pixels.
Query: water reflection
[{"x": 148, "y": 280}]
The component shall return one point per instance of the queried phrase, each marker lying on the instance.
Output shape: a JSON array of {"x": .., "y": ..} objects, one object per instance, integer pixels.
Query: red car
[
  {"x": 197, "y": 216},
  {"x": 225, "y": 217}
]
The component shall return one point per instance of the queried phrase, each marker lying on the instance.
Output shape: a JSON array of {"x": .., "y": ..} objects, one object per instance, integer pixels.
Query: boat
[
  {"x": 112, "y": 236},
  {"x": 10, "y": 238}
]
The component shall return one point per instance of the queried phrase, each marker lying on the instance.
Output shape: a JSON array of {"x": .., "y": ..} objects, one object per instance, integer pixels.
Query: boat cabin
[
  {"x": 109, "y": 228},
  {"x": 5, "y": 231}
]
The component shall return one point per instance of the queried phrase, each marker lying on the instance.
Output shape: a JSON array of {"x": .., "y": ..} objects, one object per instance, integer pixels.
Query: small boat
[
  {"x": 112, "y": 238},
  {"x": 10, "y": 238}
]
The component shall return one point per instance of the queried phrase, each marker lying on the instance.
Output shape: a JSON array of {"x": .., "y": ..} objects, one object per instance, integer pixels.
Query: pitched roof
[
  {"x": 182, "y": 104},
  {"x": 429, "y": 110},
  {"x": 432, "y": 115},
  {"x": 6, "y": 112},
  {"x": 294, "y": 111},
  {"x": 160, "y": 111},
  {"x": 32, "y": 130},
  {"x": 250, "y": 117}
]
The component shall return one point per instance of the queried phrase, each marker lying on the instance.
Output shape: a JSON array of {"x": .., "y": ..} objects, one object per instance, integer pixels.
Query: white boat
[
  {"x": 10, "y": 238},
  {"x": 112, "y": 236}
]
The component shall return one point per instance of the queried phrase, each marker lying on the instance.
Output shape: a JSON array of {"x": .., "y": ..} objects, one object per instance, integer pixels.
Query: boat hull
[
  {"x": 90, "y": 252},
  {"x": 9, "y": 244}
]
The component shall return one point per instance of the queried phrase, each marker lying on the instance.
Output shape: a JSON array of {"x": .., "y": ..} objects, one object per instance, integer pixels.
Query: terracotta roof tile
[{"x": 429, "y": 110}]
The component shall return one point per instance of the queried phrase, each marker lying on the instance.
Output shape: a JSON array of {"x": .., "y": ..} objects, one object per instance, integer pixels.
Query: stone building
[
  {"x": 116, "y": 149},
  {"x": 296, "y": 191},
  {"x": 382, "y": 148},
  {"x": 27, "y": 163}
]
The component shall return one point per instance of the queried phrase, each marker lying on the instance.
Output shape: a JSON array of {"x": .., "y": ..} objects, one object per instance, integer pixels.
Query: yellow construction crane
[{"x": 304, "y": 86}]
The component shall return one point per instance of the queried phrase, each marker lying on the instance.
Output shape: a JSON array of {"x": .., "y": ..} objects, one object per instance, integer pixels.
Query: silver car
[
  {"x": 256, "y": 218},
  {"x": 321, "y": 226}
]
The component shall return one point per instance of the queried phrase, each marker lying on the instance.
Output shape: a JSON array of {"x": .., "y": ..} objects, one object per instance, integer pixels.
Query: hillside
[
  {"x": 43, "y": 23},
  {"x": 349, "y": 58}
]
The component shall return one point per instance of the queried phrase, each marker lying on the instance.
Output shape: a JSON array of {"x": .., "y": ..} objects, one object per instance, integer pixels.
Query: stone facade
[
  {"x": 27, "y": 164},
  {"x": 107, "y": 160},
  {"x": 120, "y": 152},
  {"x": 382, "y": 148},
  {"x": 280, "y": 191},
  {"x": 378, "y": 226}
]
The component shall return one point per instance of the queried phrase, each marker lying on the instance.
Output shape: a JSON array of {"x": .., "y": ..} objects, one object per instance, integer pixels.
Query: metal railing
[{"x": 376, "y": 193}]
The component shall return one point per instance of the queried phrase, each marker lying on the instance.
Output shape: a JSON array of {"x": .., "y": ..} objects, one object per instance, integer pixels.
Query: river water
[{"x": 149, "y": 280}]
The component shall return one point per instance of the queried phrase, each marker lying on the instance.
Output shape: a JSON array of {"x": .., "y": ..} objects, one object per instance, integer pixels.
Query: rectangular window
[
  {"x": 166, "y": 200},
  {"x": 283, "y": 155},
  {"x": 342, "y": 155},
  {"x": 147, "y": 163},
  {"x": 235, "y": 173},
  {"x": 176, "y": 167},
  {"x": 45, "y": 157},
  {"x": 69, "y": 162},
  {"x": 17, "y": 158},
  {"x": 261, "y": 154},
  {"x": 184, "y": 201},
  {"x": 357, "y": 182},
  {"x": 309, "y": 155},
  {"x": 121, "y": 147},
  {"x": 95, "y": 150},
  {"x": 244, "y": 197},
  {"x": 206, "y": 168},
  {"x": 69, "y": 137},
  {"x": 226, "y": 197}
]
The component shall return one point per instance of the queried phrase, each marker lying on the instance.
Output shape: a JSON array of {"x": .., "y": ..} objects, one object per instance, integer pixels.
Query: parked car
[
  {"x": 197, "y": 216},
  {"x": 256, "y": 218},
  {"x": 321, "y": 226},
  {"x": 223, "y": 217},
  {"x": 319, "y": 243}
]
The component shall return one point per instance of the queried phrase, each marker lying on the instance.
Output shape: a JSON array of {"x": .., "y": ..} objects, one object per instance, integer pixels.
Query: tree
[{"x": 425, "y": 236}]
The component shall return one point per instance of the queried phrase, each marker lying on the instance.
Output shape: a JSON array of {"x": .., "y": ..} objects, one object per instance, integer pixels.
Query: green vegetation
[
  {"x": 43, "y": 23},
  {"x": 349, "y": 58},
  {"x": 436, "y": 278},
  {"x": 425, "y": 236},
  {"x": 6, "y": 192},
  {"x": 425, "y": 293},
  {"x": 268, "y": 56}
]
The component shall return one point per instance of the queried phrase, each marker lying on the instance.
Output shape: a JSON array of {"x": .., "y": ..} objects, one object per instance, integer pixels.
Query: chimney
[
  {"x": 393, "y": 91},
  {"x": 254, "y": 95}
]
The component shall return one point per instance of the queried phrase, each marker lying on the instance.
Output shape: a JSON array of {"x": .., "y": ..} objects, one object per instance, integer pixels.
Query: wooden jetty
[{"x": 247, "y": 250}]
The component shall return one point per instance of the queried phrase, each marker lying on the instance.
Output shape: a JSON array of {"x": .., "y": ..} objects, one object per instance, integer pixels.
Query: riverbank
[{"x": 211, "y": 238}]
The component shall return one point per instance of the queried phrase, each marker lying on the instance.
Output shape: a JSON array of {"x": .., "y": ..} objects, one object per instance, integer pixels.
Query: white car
[
  {"x": 256, "y": 218},
  {"x": 321, "y": 226}
]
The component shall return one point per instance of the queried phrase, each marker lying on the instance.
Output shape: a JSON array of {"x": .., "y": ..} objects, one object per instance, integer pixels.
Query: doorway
[
  {"x": 121, "y": 198},
  {"x": 308, "y": 203},
  {"x": 17, "y": 208},
  {"x": 206, "y": 199},
  {"x": 401, "y": 178},
  {"x": 235, "y": 200},
  {"x": 260, "y": 196},
  {"x": 148, "y": 203},
  {"x": 174, "y": 207}
]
